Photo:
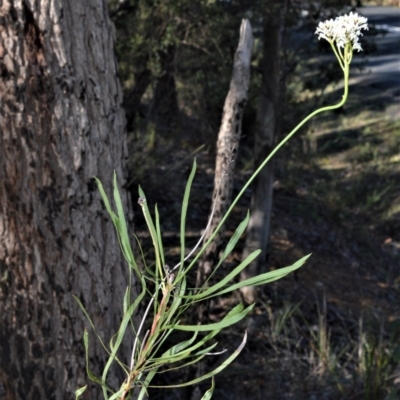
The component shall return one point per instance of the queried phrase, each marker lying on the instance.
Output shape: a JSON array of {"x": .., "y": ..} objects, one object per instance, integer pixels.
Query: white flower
[{"x": 343, "y": 30}]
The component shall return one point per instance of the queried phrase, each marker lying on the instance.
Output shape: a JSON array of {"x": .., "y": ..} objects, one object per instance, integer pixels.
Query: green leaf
[
  {"x": 214, "y": 372},
  {"x": 148, "y": 270},
  {"x": 236, "y": 310},
  {"x": 121, "y": 331},
  {"x": 218, "y": 325},
  {"x": 105, "y": 200},
  {"x": 206, "y": 350},
  {"x": 209, "y": 291},
  {"x": 159, "y": 240},
  {"x": 235, "y": 238},
  {"x": 78, "y": 393},
  {"x": 181, "y": 352},
  {"x": 171, "y": 359},
  {"x": 209, "y": 393},
  {"x": 180, "y": 346},
  {"x": 117, "y": 395},
  {"x": 185, "y": 204},
  {"x": 205, "y": 339},
  {"x": 119, "y": 223},
  {"x": 261, "y": 279},
  {"x": 184, "y": 365},
  {"x": 161, "y": 341},
  {"x": 146, "y": 383},
  {"x": 181, "y": 356},
  {"x": 176, "y": 301},
  {"x": 231, "y": 244},
  {"x": 89, "y": 373},
  {"x": 123, "y": 231},
  {"x": 152, "y": 229},
  {"x": 268, "y": 277},
  {"x": 90, "y": 322}
]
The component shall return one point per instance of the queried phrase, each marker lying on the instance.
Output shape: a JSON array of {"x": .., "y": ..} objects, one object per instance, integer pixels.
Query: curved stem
[
  {"x": 346, "y": 70},
  {"x": 338, "y": 55}
]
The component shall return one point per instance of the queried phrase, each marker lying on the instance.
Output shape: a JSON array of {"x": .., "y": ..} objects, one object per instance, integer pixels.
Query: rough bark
[
  {"x": 228, "y": 143},
  {"x": 261, "y": 202},
  {"x": 61, "y": 123}
]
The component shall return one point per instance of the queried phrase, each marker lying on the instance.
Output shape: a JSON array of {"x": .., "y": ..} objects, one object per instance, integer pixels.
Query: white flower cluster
[{"x": 343, "y": 30}]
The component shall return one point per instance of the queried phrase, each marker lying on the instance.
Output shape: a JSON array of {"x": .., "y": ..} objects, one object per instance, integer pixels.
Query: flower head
[{"x": 343, "y": 30}]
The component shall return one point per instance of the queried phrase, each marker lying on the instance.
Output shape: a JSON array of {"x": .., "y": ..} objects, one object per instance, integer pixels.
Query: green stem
[
  {"x": 338, "y": 55},
  {"x": 346, "y": 71},
  {"x": 153, "y": 234}
]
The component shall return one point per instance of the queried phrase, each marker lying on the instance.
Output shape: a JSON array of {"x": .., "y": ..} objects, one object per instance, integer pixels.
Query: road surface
[{"x": 382, "y": 70}]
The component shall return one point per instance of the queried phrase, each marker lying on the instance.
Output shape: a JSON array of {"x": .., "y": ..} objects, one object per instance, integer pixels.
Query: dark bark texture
[{"x": 61, "y": 123}]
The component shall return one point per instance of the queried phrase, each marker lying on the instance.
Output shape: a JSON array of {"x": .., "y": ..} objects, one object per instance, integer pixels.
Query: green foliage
[{"x": 170, "y": 301}]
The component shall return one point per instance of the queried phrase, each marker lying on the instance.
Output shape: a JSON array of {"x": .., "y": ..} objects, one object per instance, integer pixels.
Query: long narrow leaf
[
  {"x": 185, "y": 204},
  {"x": 78, "y": 393},
  {"x": 169, "y": 360},
  {"x": 117, "y": 395},
  {"x": 90, "y": 322},
  {"x": 161, "y": 341},
  {"x": 127, "y": 296},
  {"x": 105, "y": 200},
  {"x": 268, "y": 277},
  {"x": 158, "y": 230},
  {"x": 218, "y": 325},
  {"x": 119, "y": 223},
  {"x": 123, "y": 227},
  {"x": 176, "y": 301},
  {"x": 235, "y": 237},
  {"x": 180, "y": 346},
  {"x": 237, "y": 309},
  {"x": 223, "y": 282},
  {"x": 148, "y": 270},
  {"x": 231, "y": 245},
  {"x": 88, "y": 371},
  {"x": 122, "y": 329},
  {"x": 209, "y": 393},
  {"x": 212, "y": 373},
  {"x": 186, "y": 364},
  {"x": 152, "y": 229},
  {"x": 146, "y": 383},
  {"x": 185, "y": 355}
]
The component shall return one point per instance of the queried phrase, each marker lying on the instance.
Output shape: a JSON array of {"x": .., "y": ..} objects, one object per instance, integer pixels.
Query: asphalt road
[{"x": 382, "y": 68}]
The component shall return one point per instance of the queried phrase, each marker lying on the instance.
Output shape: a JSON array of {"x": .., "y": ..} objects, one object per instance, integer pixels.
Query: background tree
[
  {"x": 227, "y": 147},
  {"x": 61, "y": 123},
  {"x": 266, "y": 130},
  {"x": 175, "y": 50}
]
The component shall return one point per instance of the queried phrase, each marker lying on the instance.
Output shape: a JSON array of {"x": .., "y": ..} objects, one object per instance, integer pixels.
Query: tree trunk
[
  {"x": 61, "y": 123},
  {"x": 228, "y": 144},
  {"x": 261, "y": 202}
]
